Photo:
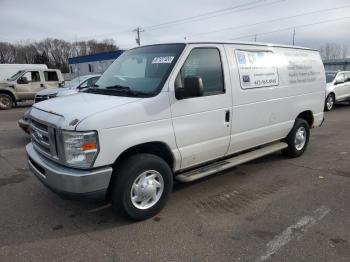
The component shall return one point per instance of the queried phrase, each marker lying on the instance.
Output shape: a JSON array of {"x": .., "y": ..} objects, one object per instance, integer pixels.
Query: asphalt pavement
[{"x": 271, "y": 209}]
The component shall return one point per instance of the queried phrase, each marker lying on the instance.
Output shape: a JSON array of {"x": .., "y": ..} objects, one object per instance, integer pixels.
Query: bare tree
[
  {"x": 53, "y": 52},
  {"x": 330, "y": 51}
]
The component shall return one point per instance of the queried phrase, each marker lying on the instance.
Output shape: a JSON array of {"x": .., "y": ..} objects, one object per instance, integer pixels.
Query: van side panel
[{"x": 265, "y": 114}]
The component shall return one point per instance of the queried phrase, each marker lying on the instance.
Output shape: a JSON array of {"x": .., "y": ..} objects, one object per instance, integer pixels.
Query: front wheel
[
  {"x": 6, "y": 101},
  {"x": 297, "y": 139},
  {"x": 329, "y": 103},
  {"x": 141, "y": 186}
]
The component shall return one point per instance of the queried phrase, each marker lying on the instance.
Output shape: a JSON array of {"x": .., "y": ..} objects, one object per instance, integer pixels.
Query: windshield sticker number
[{"x": 163, "y": 60}]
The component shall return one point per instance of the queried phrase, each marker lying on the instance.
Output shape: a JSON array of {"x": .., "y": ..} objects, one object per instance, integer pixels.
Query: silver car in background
[
  {"x": 71, "y": 87},
  {"x": 338, "y": 88}
]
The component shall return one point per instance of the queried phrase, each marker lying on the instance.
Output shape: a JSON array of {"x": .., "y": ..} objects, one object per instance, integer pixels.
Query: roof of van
[{"x": 239, "y": 43}]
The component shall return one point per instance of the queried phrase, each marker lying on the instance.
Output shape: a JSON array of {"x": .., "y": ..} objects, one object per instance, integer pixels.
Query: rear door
[
  {"x": 347, "y": 84},
  {"x": 340, "y": 87},
  {"x": 202, "y": 124},
  {"x": 51, "y": 79}
]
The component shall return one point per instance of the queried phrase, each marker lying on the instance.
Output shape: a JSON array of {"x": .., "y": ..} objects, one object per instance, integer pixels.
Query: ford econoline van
[{"x": 178, "y": 111}]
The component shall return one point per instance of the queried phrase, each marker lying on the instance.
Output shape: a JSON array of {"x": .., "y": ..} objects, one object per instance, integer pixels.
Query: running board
[{"x": 228, "y": 163}]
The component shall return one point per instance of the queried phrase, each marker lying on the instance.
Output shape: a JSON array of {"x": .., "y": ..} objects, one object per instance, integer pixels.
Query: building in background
[
  {"x": 90, "y": 64},
  {"x": 337, "y": 64}
]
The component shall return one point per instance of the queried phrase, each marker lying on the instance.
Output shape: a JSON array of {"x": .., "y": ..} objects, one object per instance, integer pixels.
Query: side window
[
  {"x": 90, "y": 82},
  {"x": 347, "y": 77},
  {"x": 51, "y": 76},
  {"x": 32, "y": 76},
  {"x": 205, "y": 63},
  {"x": 340, "y": 78},
  {"x": 91, "y": 69}
]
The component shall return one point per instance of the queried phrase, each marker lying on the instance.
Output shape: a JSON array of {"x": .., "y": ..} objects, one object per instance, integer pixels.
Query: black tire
[
  {"x": 293, "y": 149},
  {"x": 6, "y": 101},
  {"x": 127, "y": 173},
  {"x": 329, "y": 102}
]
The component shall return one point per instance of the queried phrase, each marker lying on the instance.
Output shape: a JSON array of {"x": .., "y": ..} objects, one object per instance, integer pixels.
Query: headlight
[{"x": 80, "y": 148}]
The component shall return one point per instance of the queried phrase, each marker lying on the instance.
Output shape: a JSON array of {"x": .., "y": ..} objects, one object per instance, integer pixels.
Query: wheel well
[
  {"x": 10, "y": 94},
  {"x": 159, "y": 149},
  {"x": 332, "y": 93},
  {"x": 308, "y": 117}
]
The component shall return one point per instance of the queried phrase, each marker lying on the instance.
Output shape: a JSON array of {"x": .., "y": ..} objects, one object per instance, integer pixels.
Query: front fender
[{"x": 10, "y": 90}]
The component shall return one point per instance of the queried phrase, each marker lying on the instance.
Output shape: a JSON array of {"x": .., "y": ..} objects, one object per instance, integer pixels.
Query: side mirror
[
  {"x": 193, "y": 87},
  {"x": 22, "y": 80}
]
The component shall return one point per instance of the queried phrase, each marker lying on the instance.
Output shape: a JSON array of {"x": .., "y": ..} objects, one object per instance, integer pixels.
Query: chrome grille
[{"x": 44, "y": 139}]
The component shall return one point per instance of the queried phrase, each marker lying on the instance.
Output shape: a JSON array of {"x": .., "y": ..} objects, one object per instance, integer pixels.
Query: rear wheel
[
  {"x": 297, "y": 139},
  {"x": 330, "y": 101},
  {"x": 6, "y": 101},
  {"x": 141, "y": 186}
]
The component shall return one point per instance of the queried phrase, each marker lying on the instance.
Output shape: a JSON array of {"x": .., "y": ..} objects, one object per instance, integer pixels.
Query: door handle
[{"x": 227, "y": 116}]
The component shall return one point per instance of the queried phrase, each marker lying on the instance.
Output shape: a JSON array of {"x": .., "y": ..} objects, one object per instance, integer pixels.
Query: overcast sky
[{"x": 195, "y": 19}]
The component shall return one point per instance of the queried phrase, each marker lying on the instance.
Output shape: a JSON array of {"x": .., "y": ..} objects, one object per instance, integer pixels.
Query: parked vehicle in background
[
  {"x": 338, "y": 88},
  {"x": 72, "y": 87},
  {"x": 26, "y": 83},
  {"x": 176, "y": 111},
  {"x": 8, "y": 70},
  {"x": 24, "y": 122}
]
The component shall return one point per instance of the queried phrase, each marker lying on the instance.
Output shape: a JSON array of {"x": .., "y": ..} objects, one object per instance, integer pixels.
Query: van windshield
[
  {"x": 330, "y": 76},
  {"x": 15, "y": 76},
  {"x": 139, "y": 72}
]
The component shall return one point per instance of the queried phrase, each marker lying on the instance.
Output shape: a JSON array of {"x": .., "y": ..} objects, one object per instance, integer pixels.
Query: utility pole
[
  {"x": 138, "y": 30},
  {"x": 255, "y": 38},
  {"x": 294, "y": 36}
]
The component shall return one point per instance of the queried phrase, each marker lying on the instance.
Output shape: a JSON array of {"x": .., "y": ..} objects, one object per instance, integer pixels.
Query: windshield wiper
[{"x": 127, "y": 90}]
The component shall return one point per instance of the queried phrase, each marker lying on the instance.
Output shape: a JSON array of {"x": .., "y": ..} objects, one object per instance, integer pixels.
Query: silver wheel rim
[
  {"x": 300, "y": 138},
  {"x": 330, "y": 102},
  {"x": 5, "y": 101},
  {"x": 147, "y": 189}
]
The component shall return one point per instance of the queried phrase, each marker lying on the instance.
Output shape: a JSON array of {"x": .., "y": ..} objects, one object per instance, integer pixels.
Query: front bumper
[{"x": 69, "y": 181}]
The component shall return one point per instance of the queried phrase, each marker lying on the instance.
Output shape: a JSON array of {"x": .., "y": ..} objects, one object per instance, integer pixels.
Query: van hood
[{"x": 79, "y": 106}]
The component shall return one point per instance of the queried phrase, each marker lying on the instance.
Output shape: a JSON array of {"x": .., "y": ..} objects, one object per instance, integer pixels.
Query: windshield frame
[
  {"x": 158, "y": 89},
  {"x": 18, "y": 75}
]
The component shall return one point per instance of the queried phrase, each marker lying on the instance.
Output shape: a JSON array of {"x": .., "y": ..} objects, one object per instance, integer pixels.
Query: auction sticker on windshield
[
  {"x": 163, "y": 60},
  {"x": 256, "y": 69}
]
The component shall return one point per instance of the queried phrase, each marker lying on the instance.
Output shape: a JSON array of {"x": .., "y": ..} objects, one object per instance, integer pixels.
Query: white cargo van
[{"x": 176, "y": 111}]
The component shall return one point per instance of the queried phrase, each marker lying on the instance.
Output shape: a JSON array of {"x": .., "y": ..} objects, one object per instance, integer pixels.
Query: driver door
[
  {"x": 202, "y": 125},
  {"x": 340, "y": 86},
  {"x": 28, "y": 85}
]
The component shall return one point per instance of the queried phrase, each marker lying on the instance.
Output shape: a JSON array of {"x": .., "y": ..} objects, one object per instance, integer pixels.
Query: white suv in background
[{"x": 338, "y": 88}]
